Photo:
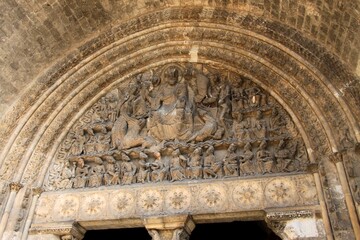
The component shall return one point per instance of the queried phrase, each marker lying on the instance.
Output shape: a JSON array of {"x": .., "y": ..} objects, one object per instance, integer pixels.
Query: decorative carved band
[
  {"x": 37, "y": 191},
  {"x": 187, "y": 197},
  {"x": 179, "y": 122},
  {"x": 283, "y": 216}
]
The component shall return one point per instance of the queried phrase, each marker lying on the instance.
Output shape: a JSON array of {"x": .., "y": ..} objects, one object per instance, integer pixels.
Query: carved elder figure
[
  {"x": 259, "y": 128},
  {"x": 158, "y": 168},
  {"x": 238, "y": 96},
  {"x": 246, "y": 163},
  {"x": 128, "y": 169},
  {"x": 283, "y": 156},
  {"x": 81, "y": 174},
  {"x": 67, "y": 176},
  {"x": 96, "y": 175},
  {"x": 241, "y": 127},
  {"x": 78, "y": 144},
  {"x": 264, "y": 159},
  {"x": 177, "y": 166},
  {"x": 143, "y": 174},
  {"x": 210, "y": 164},
  {"x": 194, "y": 170},
  {"x": 231, "y": 161},
  {"x": 111, "y": 176}
]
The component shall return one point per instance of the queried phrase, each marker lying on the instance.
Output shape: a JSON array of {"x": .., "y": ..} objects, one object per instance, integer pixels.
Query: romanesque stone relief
[
  {"x": 166, "y": 198},
  {"x": 176, "y": 123}
]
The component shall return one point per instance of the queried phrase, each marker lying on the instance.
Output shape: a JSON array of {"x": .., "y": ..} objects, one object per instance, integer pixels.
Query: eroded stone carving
[
  {"x": 174, "y": 123},
  {"x": 166, "y": 199}
]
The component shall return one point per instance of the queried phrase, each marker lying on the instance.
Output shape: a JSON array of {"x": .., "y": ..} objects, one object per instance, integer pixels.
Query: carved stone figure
[
  {"x": 128, "y": 170},
  {"x": 231, "y": 165},
  {"x": 246, "y": 161},
  {"x": 209, "y": 127},
  {"x": 241, "y": 127},
  {"x": 173, "y": 119},
  {"x": 264, "y": 159},
  {"x": 158, "y": 169},
  {"x": 96, "y": 175},
  {"x": 111, "y": 176},
  {"x": 143, "y": 174},
  {"x": 210, "y": 164},
  {"x": 177, "y": 166},
  {"x": 178, "y": 106},
  {"x": 259, "y": 127},
  {"x": 179, "y": 233},
  {"x": 224, "y": 109},
  {"x": 78, "y": 143},
  {"x": 198, "y": 81},
  {"x": 194, "y": 171},
  {"x": 67, "y": 175},
  {"x": 127, "y": 128},
  {"x": 238, "y": 96},
  {"x": 81, "y": 174},
  {"x": 154, "y": 234},
  {"x": 276, "y": 123},
  {"x": 213, "y": 90},
  {"x": 254, "y": 96},
  {"x": 283, "y": 157}
]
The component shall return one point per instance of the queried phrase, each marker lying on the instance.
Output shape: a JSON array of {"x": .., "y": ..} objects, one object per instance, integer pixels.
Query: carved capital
[
  {"x": 67, "y": 231},
  {"x": 336, "y": 157},
  {"x": 68, "y": 237},
  {"x": 174, "y": 234},
  {"x": 312, "y": 168},
  {"x": 170, "y": 228},
  {"x": 37, "y": 191},
  {"x": 15, "y": 186}
]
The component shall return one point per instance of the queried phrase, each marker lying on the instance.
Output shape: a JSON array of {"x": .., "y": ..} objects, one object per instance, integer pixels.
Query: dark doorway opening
[
  {"x": 116, "y": 234},
  {"x": 211, "y": 231},
  {"x": 233, "y": 230}
]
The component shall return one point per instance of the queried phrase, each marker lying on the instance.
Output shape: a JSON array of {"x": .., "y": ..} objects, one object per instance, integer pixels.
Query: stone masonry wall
[{"x": 34, "y": 34}]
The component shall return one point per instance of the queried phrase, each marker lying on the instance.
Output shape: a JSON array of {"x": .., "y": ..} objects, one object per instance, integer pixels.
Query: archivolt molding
[
  {"x": 286, "y": 36},
  {"x": 254, "y": 49},
  {"x": 184, "y": 49}
]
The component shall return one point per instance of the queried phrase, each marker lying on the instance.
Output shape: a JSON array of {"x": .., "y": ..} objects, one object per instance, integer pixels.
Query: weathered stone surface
[
  {"x": 174, "y": 123},
  {"x": 65, "y": 57},
  {"x": 166, "y": 199}
]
